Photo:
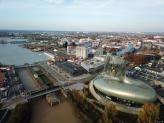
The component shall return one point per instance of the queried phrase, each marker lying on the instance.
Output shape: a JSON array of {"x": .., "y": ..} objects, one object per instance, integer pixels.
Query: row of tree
[
  {"x": 148, "y": 114},
  {"x": 109, "y": 114},
  {"x": 98, "y": 114}
]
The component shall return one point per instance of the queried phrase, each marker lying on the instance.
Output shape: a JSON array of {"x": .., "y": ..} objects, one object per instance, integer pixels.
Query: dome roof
[{"x": 130, "y": 89}]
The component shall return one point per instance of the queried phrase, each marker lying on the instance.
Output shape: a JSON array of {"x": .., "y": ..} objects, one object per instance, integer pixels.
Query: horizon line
[{"x": 51, "y": 30}]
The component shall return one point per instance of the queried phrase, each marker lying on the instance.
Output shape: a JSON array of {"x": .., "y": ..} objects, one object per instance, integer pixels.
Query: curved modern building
[{"x": 113, "y": 85}]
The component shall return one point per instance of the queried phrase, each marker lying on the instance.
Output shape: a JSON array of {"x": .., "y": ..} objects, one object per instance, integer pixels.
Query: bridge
[
  {"x": 25, "y": 66},
  {"x": 11, "y": 104},
  {"x": 47, "y": 91}
]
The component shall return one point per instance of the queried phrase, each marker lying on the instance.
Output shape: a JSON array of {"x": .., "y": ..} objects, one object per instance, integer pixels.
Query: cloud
[
  {"x": 91, "y": 4},
  {"x": 96, "y": 4},
  {"x": 81, "y": 3},
  {"x": 144, "y": 2},
  {"x": 54, "y": 1},
  {"x": 152, "y": 2},
  {"x": 159, "y": 2}
]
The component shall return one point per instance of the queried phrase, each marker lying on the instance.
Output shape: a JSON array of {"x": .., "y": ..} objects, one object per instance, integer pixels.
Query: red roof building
[{"x": 2, "y": 78}]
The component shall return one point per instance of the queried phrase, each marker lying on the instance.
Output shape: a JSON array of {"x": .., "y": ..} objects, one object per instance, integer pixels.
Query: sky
[{"x": 83, "y": 15}]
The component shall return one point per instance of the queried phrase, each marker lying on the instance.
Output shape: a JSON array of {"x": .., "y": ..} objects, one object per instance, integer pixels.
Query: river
[
  {"x": 12, "y": 54},
  {"x": 61, "y": 113}
]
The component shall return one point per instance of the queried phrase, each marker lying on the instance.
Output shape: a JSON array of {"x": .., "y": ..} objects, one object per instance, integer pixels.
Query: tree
[
  {"x": 79, "y": 96},
  {"x": 149, "y": 113},
  {"x": 1, "y": 105},
  {"x": 109, "y": 114},
  {"x": 21, "y": 114}
]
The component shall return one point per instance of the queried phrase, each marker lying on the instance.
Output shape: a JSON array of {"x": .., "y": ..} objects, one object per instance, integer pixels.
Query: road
[{"x": 161, "y": 99}]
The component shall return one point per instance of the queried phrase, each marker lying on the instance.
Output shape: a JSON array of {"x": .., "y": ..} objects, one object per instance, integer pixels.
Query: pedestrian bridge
[
  {"x": 10, "y": 104},
  {"x": 24, "y": 66},
  {"x": 47, "y": 91}
]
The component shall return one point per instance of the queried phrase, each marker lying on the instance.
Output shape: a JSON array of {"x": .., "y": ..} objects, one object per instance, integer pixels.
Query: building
[
  {"x": 50, "y": 55},
  {"x": 63, "y": 41},
  {"x": 72, "y": 69},
  {"x": 82, "y": 52},
  {"x": 3, "y": 94},
  {"x": 128, "y": 49},
  {"x": 93, "y": 65},
  {"x": 71, "y": 50},
  {"x": 114, "y": 86},
  {"x": 136, "y": 59},
  {"x": 99, "y": 52},
  {"x": 2, "y": 79},
  {"x": 3, "y": 89}
]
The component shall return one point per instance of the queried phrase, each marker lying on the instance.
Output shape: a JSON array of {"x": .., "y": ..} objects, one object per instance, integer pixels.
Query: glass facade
[{"x": 115, "y": 67}]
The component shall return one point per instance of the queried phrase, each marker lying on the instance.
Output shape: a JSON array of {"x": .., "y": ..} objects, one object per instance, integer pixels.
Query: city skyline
[{"x": 83, "y": 15}]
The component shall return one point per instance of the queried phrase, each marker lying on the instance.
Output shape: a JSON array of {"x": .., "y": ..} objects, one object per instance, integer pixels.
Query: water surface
[{"x": 12, "y": 54}]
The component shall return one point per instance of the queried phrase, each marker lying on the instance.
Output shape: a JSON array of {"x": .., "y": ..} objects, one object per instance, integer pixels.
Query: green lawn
[
  {"x": 39, "y": 72},
  {"x": 46, "y": 80},
  {"x": 61, "y": 53},
  {"x": 36, "y": 70}
]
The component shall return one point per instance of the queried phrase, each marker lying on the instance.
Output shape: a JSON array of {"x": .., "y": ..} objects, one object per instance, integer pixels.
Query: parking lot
[{"x": 150, "y": 79}]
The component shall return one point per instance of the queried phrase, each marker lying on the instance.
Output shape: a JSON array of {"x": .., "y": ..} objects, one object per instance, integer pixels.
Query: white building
[
  {"x": 3, "y": 94},
  {"x": 93, "y": 65},
  {"x": 158, "y": 71},
  {"x": 50, "y": 56},
  {"x": 62, "y": 41},
  {"x": 82, "y": 52}
]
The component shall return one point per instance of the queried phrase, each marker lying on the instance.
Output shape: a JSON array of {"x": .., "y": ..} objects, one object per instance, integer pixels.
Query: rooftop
[
  {"x": 133, "y": 90},
  {"x": 93, "y": 63}
]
